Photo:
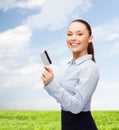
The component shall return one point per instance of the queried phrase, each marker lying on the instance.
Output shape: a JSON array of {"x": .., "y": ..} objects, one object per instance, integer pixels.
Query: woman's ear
[{"x": 90, "y": 39}]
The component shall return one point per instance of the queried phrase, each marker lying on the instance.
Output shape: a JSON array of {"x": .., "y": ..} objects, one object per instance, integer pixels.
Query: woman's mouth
[{"x": 74, "y": 45}]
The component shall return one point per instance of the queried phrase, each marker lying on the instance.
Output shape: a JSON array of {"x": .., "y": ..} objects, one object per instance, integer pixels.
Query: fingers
[
  {"x": 47, "y": 75},
  {"x": 47, "y": 68},
  {"x": 45, "y": 80}
]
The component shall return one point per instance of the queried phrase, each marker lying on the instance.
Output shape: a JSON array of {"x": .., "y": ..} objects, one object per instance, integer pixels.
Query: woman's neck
[{"x": 78, "y": 55}]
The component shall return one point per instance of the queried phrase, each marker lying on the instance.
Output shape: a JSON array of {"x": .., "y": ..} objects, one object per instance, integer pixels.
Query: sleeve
[{"x": 83, "y": 91}]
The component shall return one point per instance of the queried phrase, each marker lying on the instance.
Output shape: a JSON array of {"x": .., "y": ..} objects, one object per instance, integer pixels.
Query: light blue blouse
[{"x": 75, "y": 87}]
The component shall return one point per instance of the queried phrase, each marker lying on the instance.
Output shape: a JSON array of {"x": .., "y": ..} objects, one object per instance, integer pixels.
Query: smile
[{"x": 74, "y": 44}]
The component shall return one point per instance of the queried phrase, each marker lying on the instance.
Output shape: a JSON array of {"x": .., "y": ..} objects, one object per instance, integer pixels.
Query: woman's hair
[{"x": 90, "y": 48}]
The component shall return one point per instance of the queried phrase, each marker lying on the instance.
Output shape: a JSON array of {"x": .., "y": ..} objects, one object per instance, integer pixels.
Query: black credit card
[{"x": 45, "y": 58}]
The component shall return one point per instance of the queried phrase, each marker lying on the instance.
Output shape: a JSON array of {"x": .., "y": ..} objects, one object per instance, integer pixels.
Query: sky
[{"x": 28, "y": 27}]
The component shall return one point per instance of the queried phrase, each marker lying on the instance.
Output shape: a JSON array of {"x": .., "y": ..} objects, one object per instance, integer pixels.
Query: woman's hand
[{"x": 47, "y": 75}]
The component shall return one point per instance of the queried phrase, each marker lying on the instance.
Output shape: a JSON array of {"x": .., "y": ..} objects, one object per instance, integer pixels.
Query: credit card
[{"x": 45, "y": 58}]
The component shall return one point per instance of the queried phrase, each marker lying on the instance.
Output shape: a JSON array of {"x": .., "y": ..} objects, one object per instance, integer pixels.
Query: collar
[{"x": 81, "y": 59}]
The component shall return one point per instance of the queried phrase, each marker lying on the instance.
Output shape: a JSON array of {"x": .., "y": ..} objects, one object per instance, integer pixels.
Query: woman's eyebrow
[
  {"x": 78, "y": 31},
  {"x": 70, "y": 31}
]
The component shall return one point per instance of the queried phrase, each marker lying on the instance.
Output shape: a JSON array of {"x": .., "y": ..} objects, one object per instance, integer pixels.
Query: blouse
[{"x": 75, "y": 87}]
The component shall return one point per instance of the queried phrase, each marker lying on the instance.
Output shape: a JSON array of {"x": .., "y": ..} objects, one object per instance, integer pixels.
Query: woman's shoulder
[{"x": 90, "y": 65}]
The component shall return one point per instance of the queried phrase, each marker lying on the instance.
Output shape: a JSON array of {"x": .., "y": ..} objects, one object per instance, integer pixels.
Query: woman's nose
[{"x": 73, "y": 37}]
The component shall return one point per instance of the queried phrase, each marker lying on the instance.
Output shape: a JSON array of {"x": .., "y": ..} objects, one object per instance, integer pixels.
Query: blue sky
[{"x": 27, "y": 27}]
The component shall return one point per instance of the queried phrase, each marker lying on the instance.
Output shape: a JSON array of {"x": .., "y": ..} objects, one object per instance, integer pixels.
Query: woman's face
[{"x": 78, "y": 38}]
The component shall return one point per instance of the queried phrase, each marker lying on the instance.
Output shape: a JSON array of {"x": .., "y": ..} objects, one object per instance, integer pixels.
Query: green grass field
[{"x": 50, "y": 120}]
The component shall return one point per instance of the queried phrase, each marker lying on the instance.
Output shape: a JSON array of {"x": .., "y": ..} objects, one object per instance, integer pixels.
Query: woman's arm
[{"x": 83, "y": 90}]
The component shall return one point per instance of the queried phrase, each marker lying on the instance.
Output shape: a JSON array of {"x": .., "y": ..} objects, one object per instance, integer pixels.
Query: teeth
[{"x": 74, "y": 44}]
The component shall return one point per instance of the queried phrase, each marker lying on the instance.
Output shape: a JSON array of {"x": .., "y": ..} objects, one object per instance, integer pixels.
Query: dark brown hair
[{"x": 90, "y": 48}]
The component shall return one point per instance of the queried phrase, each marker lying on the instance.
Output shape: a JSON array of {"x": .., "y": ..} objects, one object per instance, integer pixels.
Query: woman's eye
[
  {"x": 80, "y": 34},
  {"x": 69, "y": 34}
]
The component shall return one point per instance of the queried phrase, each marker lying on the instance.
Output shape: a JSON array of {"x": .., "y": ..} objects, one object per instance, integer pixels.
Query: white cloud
[
  {"x": 27, "y": 70},
  {"x": 13, "y": 41},
  {"x": 109, "y": 85},
  {"x": 114, "y": 49},
  {"x": 106, "y": 37},
  {"x": 28, "y": 75},
  {"x": 107, "y": 32},
  {"x": 41, "y": 104},
  {"x": 106, "y": 96},
  {"x": 29, "y": 4},
  {"x": 105, "y": 104},
  {"x": 3, "y": 69},
  {"x": 13, "y": 52},
  {"x": 54, "y": 14},
  {"x": 6, "y": 5}
]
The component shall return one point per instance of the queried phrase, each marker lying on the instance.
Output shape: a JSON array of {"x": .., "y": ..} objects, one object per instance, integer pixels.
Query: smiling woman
[
  {"x": 78, "y": 34},
  {"x": 19, "y": 54},
  {"x": 76, "y": 85}
]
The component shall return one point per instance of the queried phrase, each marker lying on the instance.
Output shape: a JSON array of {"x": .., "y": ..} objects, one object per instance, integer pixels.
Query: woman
[{"x": 75, "y": 87}]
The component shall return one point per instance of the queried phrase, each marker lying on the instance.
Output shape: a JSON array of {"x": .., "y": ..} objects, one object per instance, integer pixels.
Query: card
[{"x": 45, "y": 58}]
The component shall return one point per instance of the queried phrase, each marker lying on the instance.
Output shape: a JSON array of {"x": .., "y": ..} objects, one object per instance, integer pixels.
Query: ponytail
[{"x": 91, "y": 51}]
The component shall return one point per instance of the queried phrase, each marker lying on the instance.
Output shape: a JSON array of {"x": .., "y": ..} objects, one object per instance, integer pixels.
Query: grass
[
  {"x": 50, "y": 120},
  {"x": 107, "y": 120}
]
